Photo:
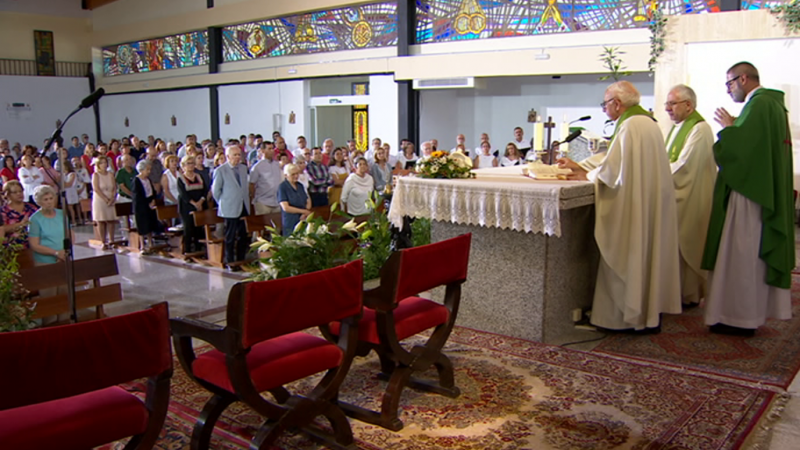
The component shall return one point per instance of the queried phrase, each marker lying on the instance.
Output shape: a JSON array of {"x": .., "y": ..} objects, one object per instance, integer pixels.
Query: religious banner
[
  {"x": 45, "y": 53},
  {"x": 361, "y": 118}
]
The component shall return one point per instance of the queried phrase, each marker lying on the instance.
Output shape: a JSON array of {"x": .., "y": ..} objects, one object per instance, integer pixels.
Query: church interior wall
[
  {"x": 72, "y": 37},
  {"x": 505, "y": 101},
  {"x": 151, "y": 113},
  {"x": 50, "y": 99},
  {"x": 263, "y": 108}
]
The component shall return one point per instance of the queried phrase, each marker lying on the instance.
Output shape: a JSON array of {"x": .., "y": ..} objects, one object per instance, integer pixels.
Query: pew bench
[
  {"x": 134, "y": 242},
  {"x": 208, "y": 220},
  {"x": 90, "y": 293}
]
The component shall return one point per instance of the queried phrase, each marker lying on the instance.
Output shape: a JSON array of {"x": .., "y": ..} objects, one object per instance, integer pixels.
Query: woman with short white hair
[{"x": 46, "y": 235}]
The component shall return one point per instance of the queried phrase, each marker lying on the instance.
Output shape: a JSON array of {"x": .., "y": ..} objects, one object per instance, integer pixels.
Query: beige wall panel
[{"x": 72, "y": 37}]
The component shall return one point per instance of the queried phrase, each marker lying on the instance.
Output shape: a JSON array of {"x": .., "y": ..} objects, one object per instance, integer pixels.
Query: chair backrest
[
  {"x": 428, "y": 266},
  {"x": 267, "y": 309},
  {"x": 51, "y": 363},
  {"x": 206, "y": 217},
  {"x": 167, "y": 212},
  {"x": 123, "y": 208}
]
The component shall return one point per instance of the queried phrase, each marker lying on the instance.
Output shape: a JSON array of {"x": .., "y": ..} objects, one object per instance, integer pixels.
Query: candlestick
[{"x": 538, "y": 136}]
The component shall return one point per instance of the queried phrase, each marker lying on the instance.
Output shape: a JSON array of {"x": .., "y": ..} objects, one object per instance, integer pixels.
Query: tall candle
[
  {"x": 538, "y": 136},
  {"x": 564, "y": 133}
]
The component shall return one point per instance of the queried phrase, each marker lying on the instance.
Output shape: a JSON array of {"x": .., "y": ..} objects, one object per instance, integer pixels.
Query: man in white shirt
[
  {"x": 370, "y": 153},
  {"x": 301, "y": 146},
  {"x": 690, "y": 149},
  {"x": 265, "y": 177},
  {"x": 460, "y": 140},
  {"x": 519, "y": 141}
]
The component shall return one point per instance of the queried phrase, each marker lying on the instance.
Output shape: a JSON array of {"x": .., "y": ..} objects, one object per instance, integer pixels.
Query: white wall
[
  {"x": 151, "y": 112},
  {"x": 50, "y": 99},
  {"x": 504, "y": 104},
  {"x": 383, "y": 110},
  {"x": 252, "y": 108},
  {"x": 72, "y": 37}
]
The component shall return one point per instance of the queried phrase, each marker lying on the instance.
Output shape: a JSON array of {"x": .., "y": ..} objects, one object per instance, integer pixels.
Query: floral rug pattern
[
  {"x": 517, "y": 394},
  {"x": 772, "y": 356}
]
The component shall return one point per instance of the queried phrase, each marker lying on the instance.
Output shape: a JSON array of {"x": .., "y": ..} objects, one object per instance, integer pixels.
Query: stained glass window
[
  {"x": 356, "y": 27},
  {"x": 171, "y": 52},
  {"x": 450, "y": 20},
  {"x": 361, "y": 117}
]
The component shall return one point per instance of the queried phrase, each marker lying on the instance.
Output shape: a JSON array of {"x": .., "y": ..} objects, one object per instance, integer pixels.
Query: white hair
[
  {"x": 230, "y": 147},
  {"x": 41, "y": 191},
  {"x": 287, "y": 169},
  {"x": 625, "y": 92},
  {"x": 142, "y": 165},
  {"x": 685, "y": 93}
]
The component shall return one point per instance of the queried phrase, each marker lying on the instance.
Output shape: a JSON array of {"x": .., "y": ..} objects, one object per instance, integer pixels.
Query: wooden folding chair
[
  {"x": 262, "y": 348},
  {"x": 393, "y": 312}
]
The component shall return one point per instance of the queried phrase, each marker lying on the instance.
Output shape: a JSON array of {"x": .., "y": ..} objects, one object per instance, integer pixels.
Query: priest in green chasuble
[
  {"x": 750, "y": 249},
  {"x": 689, "y": 147},
  {"x": 636, "y": 225}
]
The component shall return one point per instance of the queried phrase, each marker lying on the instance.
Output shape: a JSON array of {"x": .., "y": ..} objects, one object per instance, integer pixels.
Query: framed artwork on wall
[{"x": 45, "y": 54}]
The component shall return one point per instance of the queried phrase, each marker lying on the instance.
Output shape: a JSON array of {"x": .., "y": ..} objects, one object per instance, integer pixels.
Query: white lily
[{"x": 350, "y": 225}]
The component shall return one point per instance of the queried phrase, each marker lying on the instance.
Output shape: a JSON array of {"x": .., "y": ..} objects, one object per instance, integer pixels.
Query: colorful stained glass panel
[
  {"x": 171, "y": 52},
  {"x": 352, "y": 28},
  {"x": 451, "y": 20}
]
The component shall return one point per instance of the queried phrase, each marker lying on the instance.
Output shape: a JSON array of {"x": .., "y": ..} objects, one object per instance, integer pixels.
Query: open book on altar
[{"x": 541, "y": 171}]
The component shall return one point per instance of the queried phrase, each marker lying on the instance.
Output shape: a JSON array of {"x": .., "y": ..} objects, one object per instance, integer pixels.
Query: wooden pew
[
  {"x": 256, "y": 224},
  {"x": 88, "y": 272},
  {"x": 168, "y": 213},
  {"x": 215, "y": 247},
  {"x": 125, "y": 210}
]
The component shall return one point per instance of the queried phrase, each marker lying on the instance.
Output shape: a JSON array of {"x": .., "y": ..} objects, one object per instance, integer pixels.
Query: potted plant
[{"x": 15, "y": 311}]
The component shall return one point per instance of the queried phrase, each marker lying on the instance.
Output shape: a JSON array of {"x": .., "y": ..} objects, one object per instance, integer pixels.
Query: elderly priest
[
  {"x": 750, "y": 245},
  {"x": 693, "y": 170},
  {"x": 636, "y": 225}
]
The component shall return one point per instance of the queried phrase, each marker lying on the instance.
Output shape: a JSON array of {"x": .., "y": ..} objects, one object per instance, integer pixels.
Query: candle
[
  {"x": 563, "y": 148},
  {"x": 538, "y": 136}
]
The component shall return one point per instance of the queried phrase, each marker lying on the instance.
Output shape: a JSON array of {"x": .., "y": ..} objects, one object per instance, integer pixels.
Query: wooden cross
[{"x": 549, "y": 126}]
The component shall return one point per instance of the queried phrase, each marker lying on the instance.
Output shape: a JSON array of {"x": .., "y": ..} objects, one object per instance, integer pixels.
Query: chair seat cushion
[
  {"x": 273, "y": 362},
  {"x": 78, "y": 422},
  {"x": 411, "y": 316}
]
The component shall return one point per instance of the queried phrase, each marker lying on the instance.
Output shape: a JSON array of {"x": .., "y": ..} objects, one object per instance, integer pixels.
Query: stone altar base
[{"x": 524, "y": 284}]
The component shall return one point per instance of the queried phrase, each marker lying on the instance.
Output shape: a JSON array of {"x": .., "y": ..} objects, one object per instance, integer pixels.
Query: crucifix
[{"x": 549, "y": 125}]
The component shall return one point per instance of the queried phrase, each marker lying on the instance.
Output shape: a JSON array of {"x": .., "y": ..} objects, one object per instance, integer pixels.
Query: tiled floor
[{"x": 201, "y": 292}]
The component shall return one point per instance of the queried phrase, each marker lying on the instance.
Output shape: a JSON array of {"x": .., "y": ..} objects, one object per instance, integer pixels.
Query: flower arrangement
[
  {"x": 445, "y": 165},
  {"x": 15, "y": 312}
]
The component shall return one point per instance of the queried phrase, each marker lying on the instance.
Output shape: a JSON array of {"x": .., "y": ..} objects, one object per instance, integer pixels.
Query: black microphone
[
  {"x": 572, "y": 136},
  {"x": 584, "y": 118},
  {"x": 92, "y": 98}
]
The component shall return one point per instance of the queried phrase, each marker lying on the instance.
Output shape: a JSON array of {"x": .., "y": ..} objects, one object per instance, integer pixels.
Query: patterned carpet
[
  {"x": 518, "y": 394},
  {"x": 772, "y": 356}
]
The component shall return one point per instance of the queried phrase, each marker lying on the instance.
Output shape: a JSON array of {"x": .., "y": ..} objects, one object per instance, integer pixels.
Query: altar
[{"x": 533, "y": 258}]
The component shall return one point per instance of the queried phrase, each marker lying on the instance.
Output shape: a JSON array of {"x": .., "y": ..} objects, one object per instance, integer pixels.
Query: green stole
[
  {"x": 630, "y": 112},
  {"x": 680, "y": 139}
]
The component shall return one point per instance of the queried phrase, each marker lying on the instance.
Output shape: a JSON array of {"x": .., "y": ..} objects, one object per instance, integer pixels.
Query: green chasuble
[
  {"x": 630, "y": 112},
  {"x": 755, "y": 159},
  {"x": 674, "y": 150}
]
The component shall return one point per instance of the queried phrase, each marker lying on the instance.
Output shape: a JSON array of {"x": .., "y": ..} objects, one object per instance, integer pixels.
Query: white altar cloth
[{"x": 501, "y": 198}]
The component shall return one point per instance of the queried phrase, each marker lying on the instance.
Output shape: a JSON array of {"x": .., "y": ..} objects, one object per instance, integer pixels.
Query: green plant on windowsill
[
  {"x": 789, "y": 14},
  {"x": 612, "y": 61},
  {"x": 15, "y": 312}
]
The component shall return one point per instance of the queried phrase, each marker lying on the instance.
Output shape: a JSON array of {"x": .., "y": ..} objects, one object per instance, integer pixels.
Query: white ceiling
[{"x": 61, "y": 8}]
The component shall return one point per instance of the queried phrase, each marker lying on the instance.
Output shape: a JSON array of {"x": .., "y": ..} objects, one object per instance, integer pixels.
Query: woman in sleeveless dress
[{"x": 104, "y": 196}]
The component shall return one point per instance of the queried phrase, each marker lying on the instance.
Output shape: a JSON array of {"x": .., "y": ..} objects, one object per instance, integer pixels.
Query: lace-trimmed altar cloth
[{"x": 496, "y": 198}]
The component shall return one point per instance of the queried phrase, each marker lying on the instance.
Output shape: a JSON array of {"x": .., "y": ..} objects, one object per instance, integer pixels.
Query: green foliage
[
  {"x": 612, "y": 60},
  {"x": 658, "y": 32},
  {"x": 789, "y": 14},
  {"x": 375, "y": 239},
  {"x": 313, "y": 245},
  {"x": 421, "y": 232},
  {"x": 15, "y": 313}
]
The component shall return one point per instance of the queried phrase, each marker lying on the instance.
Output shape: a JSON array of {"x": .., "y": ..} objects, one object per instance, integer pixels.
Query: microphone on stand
[
  {"x": 92, "y": 98},
  {"x": 572, "y": 136},
  {"x": 582, "y": 119}
]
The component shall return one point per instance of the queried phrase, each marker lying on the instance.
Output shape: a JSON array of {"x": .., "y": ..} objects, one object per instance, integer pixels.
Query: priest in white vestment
[
  {"x": 689, "y": 147},
  {"x": 636, "y": 224}
]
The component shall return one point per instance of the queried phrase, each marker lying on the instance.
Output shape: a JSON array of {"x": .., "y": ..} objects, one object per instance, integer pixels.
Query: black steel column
[
  {"x": 214, "y": 60},
  {"x": 96, "y": 106},
  {"x": 408, "y": 98}
]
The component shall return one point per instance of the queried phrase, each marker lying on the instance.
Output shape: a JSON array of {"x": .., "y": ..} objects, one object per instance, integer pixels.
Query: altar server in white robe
[
  {"x": 636, "y": 224},
  {"x": 691, "y": 156}
]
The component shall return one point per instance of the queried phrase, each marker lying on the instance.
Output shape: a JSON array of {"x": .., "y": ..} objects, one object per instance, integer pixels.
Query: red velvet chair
[
  {"x": 263, "y": 347},
  {"x": 59, "y": 383},
  {"x": 393, "y": 312}
]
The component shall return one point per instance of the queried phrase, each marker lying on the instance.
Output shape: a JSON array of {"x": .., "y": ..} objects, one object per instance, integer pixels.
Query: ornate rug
[
  {"x": 518, "y": 394},
  {"x": 772, "y": 356}
]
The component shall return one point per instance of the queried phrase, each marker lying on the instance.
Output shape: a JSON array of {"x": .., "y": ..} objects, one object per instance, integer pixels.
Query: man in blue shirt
[{"x": 319, "y": 179}]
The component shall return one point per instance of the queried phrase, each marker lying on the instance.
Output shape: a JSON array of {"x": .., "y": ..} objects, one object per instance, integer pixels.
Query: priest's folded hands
[{"x": 578, "y": 172}]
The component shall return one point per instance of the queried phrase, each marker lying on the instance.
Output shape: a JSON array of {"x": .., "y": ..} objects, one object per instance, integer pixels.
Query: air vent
[{"x": 447, "y": 83}]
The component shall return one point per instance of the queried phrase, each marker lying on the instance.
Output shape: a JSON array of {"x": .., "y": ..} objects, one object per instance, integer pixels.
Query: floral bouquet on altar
[{"x": 445, "y": 165}]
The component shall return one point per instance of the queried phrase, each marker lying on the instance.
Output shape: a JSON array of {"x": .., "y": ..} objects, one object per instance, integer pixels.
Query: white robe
[
  {"x": 737, "y": 294},
  {"x": 636, "y": 229},
  {"x": 694, "y": 174}
]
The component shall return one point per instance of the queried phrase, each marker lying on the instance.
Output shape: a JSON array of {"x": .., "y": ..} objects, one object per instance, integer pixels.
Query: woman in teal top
[{"x": 46, "y": 235}]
